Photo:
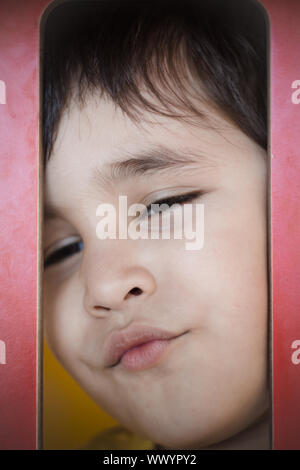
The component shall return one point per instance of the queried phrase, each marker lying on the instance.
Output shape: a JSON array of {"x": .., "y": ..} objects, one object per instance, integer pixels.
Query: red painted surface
[
  {"x": 19, "y": 57},
  {"x": 18, "y": 212},
  {"x": 285, "y": 68}
]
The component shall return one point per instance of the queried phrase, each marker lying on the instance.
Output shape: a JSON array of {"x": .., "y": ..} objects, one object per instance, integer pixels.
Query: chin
[
  {"x": 184, "y": 443},
  {"x": 179, "y": 438},
  {"x": 192, "y": 435}
]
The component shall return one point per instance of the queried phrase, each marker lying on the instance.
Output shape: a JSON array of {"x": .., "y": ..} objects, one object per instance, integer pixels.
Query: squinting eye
[
  {"x": 178, "y": 199},
  {"x": 63, "y": 252}
]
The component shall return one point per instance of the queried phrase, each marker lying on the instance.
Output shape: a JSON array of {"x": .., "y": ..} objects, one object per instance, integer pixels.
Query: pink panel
[
  {"x": 285, "y": 109},
  {"x": 18, "y": 212}
]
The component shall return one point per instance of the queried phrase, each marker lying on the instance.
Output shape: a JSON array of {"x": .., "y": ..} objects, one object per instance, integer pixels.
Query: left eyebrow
[
  {"x": 147, "y": 162},
  {"x": 140, "y": 163}
]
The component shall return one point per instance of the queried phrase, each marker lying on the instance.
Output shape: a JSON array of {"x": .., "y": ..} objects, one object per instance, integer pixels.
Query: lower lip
[{"x": 145, "y": 355}]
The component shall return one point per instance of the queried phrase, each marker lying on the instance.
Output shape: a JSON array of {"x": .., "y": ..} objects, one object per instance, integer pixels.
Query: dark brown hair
[{"x": 181, "y": 52}]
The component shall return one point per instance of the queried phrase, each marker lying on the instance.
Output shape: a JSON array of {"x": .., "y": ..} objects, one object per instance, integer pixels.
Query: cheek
[
  {"x": 226, "y": 305},
  {"x": 225, "y": 283},
  {"x": 62, "y": 319}
]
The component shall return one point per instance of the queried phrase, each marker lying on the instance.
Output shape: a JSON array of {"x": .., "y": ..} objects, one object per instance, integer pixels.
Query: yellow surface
[
  {"x": 118, "y": 438},
  {"x": 71, "y": 418}
]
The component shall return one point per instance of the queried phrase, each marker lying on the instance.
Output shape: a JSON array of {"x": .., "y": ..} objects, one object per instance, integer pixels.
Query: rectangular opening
[{"x": 149, "y": 345}]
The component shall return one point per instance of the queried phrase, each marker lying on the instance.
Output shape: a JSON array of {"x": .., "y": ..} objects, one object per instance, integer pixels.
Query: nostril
[{"x": 135, "y": 291}]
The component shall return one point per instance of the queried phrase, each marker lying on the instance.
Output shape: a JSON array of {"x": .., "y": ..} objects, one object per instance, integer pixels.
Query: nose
[{"x": 119, "y": 287}]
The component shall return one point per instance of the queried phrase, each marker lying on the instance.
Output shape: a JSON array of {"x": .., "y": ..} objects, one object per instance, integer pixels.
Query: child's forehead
[
  {"x": 100, "y": 128},
  {"x": 100, "y": 143},
  {"x": 100, "y": 151},
  {"x": 91, "y": 156}
]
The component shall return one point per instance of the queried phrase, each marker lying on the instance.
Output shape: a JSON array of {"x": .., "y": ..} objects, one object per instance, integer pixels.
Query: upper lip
[{"x": 121, "y": 341}]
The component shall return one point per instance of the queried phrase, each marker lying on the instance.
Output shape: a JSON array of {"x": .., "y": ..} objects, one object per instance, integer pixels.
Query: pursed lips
[{"x": 119, "y": 342}]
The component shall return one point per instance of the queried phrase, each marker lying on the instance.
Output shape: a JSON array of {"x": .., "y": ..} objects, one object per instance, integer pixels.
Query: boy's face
[{"x": 211, "y": 380}]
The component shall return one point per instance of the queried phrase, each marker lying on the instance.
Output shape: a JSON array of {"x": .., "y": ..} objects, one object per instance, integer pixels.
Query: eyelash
[
  {"x": 69, "y": 250},
  {"x": 62, "y": 253},
  {"x": 178, "y": 199}
]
